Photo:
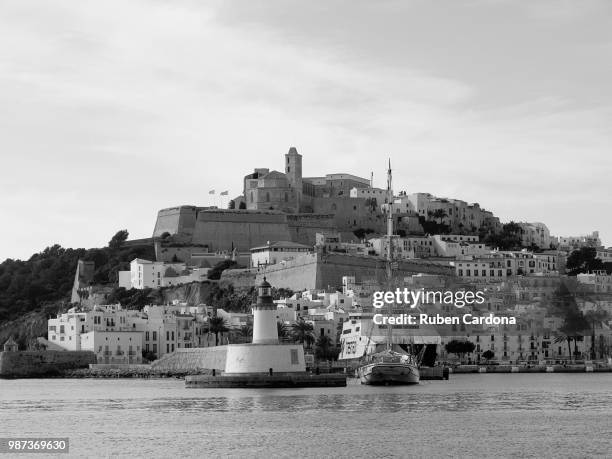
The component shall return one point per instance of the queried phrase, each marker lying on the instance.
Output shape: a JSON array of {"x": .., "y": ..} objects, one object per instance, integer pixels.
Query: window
[
  {"x": 147, "y": 336},
  {"x": 154, "y": 337},
  {"x": 294, "y": 357}
]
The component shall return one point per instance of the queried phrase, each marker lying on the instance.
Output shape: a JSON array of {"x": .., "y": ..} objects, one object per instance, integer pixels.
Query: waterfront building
[
  {"x": 113, "y": 347},
  {"x": 163, "y": 328}
]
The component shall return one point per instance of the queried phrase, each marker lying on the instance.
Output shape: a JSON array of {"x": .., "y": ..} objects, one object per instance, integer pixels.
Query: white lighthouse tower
[{"x": 265, "y": 330}]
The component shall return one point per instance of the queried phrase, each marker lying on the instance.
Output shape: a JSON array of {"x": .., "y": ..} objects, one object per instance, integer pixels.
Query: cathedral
[{"x": 291, "y": 193}]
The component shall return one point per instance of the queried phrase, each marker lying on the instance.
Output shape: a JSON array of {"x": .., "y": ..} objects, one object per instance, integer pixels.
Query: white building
[
  {"x": 535, "y": 233},
  {"x": 275, "y": 252},
  {"x": 458, "y": 246},
  {"x": 155, "y": 274},
  {"x": 114, "y": 347},
  {"x": 571, "y": 243},
  {"x": 163, "y": 329}
]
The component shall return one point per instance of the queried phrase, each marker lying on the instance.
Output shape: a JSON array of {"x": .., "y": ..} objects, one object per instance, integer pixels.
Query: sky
[{"x": 110, "y": 111}]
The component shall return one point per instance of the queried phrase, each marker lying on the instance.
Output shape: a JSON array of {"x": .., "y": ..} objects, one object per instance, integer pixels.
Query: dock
[{"x": 259, "y": 380}]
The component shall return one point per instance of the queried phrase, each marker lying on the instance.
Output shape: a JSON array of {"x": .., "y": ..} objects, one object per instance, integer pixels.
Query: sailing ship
[{"x": 389, "y": 367}]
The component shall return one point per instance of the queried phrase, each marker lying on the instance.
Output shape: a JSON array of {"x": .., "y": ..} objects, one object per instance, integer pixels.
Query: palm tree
[
  {"x": 302, "y": 332},
  {"x": 561, "y": 337},
  {"x": 246, "y": 332},
  {"x": 595, "y": 317},
  {"x": 217, "y": 325},
  {"x": 439, "y": 213},
  {"x": 324, "y": 349},
  {"x": 283, "y": 333}
]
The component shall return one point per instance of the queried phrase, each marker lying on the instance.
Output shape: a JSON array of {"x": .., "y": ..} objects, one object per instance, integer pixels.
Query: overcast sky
[{"x": 112, "y": 110}]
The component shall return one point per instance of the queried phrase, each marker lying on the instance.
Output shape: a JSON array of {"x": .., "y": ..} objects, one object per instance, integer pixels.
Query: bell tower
[{"x": 293, "y": 171}]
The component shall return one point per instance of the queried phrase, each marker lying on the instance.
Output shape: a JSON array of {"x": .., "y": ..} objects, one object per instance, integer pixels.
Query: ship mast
[{"x": 389, "y": 252}]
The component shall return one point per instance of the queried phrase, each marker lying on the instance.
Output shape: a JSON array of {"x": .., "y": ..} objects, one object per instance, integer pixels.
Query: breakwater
[{"x": 36, "y": 364}]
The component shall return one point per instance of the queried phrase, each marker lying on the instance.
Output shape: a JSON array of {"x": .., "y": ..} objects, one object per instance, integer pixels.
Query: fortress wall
[
  {"x": 176, "y": 220},
  {"x": 242, "y": 230},
  {"x": 297, "y": 274},
  {"x": 304, "y": 227},
  {"x": 29, "y": 364},
  {"x": 317, "y": 271}
]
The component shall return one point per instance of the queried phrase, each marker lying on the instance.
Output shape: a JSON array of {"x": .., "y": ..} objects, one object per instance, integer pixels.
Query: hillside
[{"x": 45, "y": 279}]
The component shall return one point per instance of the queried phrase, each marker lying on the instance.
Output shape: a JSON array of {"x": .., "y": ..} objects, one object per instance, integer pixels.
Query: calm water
[{"x": 540, "y": 415}]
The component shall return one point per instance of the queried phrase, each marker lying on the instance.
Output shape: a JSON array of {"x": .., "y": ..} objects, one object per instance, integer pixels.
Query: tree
[
  {"x": 215, "y": 272},
  {"x": 583, "y": 260},
  {"x": 595, "y": 317},
  {"x": 118, "y": 239},
  {"x": 246, "y": 333},
  {"x": 439, "y": 214},
  {"x": 302, "y": 332},
  {"x": 459, "y": 347},
  {"x": 217, "y": 325},
  {"x": 242, "y": 205},
  {"x": 510, "y": 238},
  {"x": 231, "y": 204},
  {"x": 281, "y": 328},
  {"x": 488, "y": 354},
  {"x": 324, "y": 349}
]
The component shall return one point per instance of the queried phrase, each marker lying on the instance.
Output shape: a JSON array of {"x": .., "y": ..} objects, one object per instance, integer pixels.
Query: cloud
[{"x": 109, "y": 116}]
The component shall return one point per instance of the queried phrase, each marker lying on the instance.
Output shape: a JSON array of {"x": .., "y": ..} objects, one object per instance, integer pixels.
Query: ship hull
[{"x": 387, "y": 374}]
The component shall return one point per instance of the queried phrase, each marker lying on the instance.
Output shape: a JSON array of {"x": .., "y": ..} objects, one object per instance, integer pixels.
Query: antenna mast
[{"x": 389, "y": 250}]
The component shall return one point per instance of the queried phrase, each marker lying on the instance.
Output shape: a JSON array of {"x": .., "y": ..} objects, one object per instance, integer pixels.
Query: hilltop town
[{"x": 320, "y": 241}]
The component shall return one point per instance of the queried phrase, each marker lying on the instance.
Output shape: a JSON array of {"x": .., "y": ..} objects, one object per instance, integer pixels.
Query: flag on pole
[
  {"x": 224, "y": 193},
  {"x": 211, "y": 192}
]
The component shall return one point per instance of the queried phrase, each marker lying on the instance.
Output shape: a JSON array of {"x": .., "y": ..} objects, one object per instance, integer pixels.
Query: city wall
[
  {"x": 322, "y": 271},
  {"x": 29, "y": 364},
  {"x": 198, "y": 229}
]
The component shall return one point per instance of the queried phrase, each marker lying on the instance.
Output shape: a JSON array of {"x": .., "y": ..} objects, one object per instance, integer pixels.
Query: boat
[{"x": 389, "y": 367}]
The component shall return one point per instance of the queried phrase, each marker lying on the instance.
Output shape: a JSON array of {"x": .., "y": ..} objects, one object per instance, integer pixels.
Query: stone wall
[
  {"x": 224, "y": 230},
  {"x": 240, "y": 230},
  {"x": 193, "y": 359},
  {"x": 322, "y": 271},
  {"x": 28, "y": 364}
]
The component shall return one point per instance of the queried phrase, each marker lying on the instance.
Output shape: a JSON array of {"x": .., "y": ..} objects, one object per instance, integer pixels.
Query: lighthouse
[{"x": 265, "y": 330}]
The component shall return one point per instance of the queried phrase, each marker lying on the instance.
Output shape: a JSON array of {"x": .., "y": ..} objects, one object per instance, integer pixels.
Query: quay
[
  {"x": 535, "y": 368},
  {"x": 258, "y": 380}
]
